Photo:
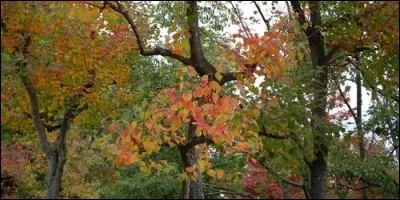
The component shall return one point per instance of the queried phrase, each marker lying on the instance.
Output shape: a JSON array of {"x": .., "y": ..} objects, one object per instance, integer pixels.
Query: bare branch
[
  {"x": 245, "y": 28},
  {"x": 266, "y": 21},
  {"x": 288, "y": 9}
]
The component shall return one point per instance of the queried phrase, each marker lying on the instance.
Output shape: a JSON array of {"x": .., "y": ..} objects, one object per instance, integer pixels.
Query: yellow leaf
[
  {"x": 144, "y": 169},
  {"x": 218, "y": 76},
  {"x": 220, "y": 173},
  {"x": 179, "y": 74},
  {"x": 150, "y": 146},
  {"x": 300, "y": 55},
  {"x": 184, "y": 176},
  {"x": 192, "y": 72},
  {"x": 152, "y": 164},
  {"x": 198, "y": 132},
  {"x": 194, "y": 176},
  {"x": 214, "y": 86},
  {"x": 190, "y": 169},
  {"x": 134, "y": 124},
  {"x": 211, "y": 173},
  {"x": 176, "y": 35}
]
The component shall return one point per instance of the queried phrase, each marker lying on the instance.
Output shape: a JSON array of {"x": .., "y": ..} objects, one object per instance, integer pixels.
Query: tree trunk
[
  {"x": 320, "y": 86},
  {"x": 359, "y": 128},
  {"x": 318, "y": 171},
  {"x": 56, "y": 166},
  {"x": 192, "y": 189}
]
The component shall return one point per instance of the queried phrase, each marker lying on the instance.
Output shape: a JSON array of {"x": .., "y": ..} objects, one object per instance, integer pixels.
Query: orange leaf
[
  {"x": 176, "y": 51},
  {"x": 242, "y": 146},
  {"x": 215, "y": 97},
  {"x": 203, "y": 81},
  {"x": 126, "y": 158},
  {"x": 187, "y": 105},
  {"x": 112, "y": 127},
  {"x": 187, "y": 96}
]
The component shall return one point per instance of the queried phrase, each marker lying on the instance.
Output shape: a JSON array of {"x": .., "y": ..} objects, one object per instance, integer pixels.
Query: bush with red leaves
[
  {"x": 258, "y": 183},
  {"x": 13, "y": 161}
]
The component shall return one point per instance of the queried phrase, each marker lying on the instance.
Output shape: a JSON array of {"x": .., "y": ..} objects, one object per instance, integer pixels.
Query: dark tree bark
[
  {"x": 359, "y": 126},
  {"x": 56, "y": 167},
  {"x": 192, "y": 189},
  {"x": 55, "y": 152},
  {"x": 318, "y": 166}
]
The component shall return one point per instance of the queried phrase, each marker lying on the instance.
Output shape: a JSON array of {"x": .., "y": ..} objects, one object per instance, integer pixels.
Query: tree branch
[
  {"x": 281, "y": 178},
  {"x": 240, "y": 19},
  {"x": 288, "y": 9},
  {"x": 274, "y": 136},
  {"x": 348, "y": 105},
  {"x": 300, "y": 16},
  {"x": 44, "y": 143},
  {"x": 158, "y": 50},
  {"x": 195, "y": 141},
  {"x": 352, "y": 188},
  {"x": 373, "y": 88},
  {"x": 51, "y": 128},
  {"x": 227, "y": 77},
  {"x": 266, "y": 21}
]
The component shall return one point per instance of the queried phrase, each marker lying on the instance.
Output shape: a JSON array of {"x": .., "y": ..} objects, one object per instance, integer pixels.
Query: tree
[{"x": 59, "y": 84}]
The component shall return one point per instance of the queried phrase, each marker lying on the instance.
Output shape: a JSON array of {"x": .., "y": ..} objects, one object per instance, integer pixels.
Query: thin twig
[{"x": 266, "y": 21}]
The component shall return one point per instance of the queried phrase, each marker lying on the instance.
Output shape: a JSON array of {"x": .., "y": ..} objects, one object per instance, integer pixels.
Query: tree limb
[
  {"x": 281, "y": 178},
  {"x": 352, "y": 188},
  {"x": 274, "y": 136},
  {"x": 195, "y": 141},
  {"x": 348, "y": 105},
  {"x": 240, "y": 19},
  {"x": 300, "y": 16},
  {"x": 44, "y": 144},
  {"x": 51, "y": 128},
  {"x": 266, "y": 21},
  {"x": 373, "y": 88},
  {"x": 158, "y": 50}
]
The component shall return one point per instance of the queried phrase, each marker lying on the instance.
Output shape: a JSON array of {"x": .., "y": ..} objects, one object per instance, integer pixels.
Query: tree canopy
[{"x": 112, "y": 99}]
